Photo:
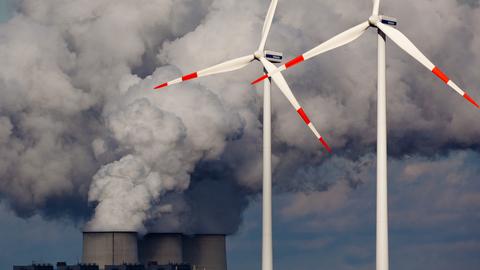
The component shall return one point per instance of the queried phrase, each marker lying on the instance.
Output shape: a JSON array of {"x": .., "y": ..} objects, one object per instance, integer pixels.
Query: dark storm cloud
[{"x": 79, "y": 122}]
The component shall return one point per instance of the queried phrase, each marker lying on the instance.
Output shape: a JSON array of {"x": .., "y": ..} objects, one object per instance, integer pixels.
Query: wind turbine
[
  {"x": 266, "y": 58},
  {"x": 385, "y": 28}
]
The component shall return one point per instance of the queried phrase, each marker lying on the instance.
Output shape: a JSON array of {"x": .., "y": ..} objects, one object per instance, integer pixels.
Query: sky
[
  {"x": 86, "y": 143},
  {"x": 5, "y": 10}
]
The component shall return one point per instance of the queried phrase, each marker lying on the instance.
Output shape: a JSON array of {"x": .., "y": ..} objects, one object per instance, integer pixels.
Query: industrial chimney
[
  {"x": 205, "y": 251},
  {"x": 109, "y": 248},
  {"x": 163, "y": 248}
]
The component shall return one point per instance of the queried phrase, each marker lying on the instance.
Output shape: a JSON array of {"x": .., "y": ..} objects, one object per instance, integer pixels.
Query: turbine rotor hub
[
  {"x": 374, "y": 20},
  {"x": 258, "y": 54}
]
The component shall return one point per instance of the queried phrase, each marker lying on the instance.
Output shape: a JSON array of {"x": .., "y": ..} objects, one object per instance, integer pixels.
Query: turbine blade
[
  {"x": 287, "y": 92},
  {"x": 267, "y": 24},
  {"x": 227, "y": 66},
  {"x": 376, "y": 7},
  {"x": 403, "y": 42},
  {"x": 335, "y": 42}
]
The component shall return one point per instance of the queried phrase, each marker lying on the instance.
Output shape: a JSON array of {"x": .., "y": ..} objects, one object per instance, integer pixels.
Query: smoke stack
[
  {"x": 205, "y": 251},
  {"x": 163, "y": 248},
  {"x": 109, "y": 248}
]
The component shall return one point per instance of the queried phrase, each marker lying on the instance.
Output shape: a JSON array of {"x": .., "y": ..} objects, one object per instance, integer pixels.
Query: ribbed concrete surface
[
  {"x": 206, "y": 252},
  {"x": 109, "y": 248},
  {"x": 161, "y": 247}
]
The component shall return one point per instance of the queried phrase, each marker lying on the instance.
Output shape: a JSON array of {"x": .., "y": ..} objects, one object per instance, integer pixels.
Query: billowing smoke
[
  {"x": 83, "y": 135},
  {"x": 160, "y": 150}
]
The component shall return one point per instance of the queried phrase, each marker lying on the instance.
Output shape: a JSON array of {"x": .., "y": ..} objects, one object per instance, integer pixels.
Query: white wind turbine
[
  {"x": 384, "y": 25},
  {"x": 265, "y": 57}
]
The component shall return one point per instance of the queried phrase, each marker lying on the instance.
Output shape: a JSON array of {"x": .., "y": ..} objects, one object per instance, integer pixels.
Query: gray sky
[
  {"x": 5, "y": 10},
  {"x": 85, "y": 142}
]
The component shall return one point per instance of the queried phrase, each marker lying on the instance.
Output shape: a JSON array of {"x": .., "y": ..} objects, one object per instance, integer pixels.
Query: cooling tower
[
  {"x": 205, "y": 251},
  {"x": 163, "y": 248},
  {"x": 109, "y": 248}
]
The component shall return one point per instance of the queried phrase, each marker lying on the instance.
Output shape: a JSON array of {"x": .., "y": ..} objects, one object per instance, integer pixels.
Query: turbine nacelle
[
  {"x": 375, "y": 19},
  {"x": 388, "y": 20},
  {"x": 271, "y": 56},
  {"x": 274, "y": 57}
]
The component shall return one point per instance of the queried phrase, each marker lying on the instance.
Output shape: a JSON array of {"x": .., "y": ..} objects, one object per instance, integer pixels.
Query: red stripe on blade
[
  {"x": 325, "y": 145},
  {"x": 440, "y": 74},
  {"x": 260, "y": 79},
  {"x": 190, "y": 76},
  {"x": 295, "y": 61},
  {"x": 161, "y": 86},
  {"x": 304, "y": 116},
  {"x": 467, "y": 97}
]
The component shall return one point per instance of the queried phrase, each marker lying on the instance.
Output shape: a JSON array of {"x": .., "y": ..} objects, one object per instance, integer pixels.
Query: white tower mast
[
  {"x": 267, "y": 245},
  {"x": 382, "y": 187}
]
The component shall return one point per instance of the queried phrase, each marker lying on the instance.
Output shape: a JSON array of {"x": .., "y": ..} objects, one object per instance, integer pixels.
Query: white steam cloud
[{"x": 80, "y": 124}]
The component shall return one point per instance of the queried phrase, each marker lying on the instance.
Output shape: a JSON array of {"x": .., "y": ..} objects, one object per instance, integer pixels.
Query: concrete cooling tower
[
  {"x": 205, "y": 252},
  {"x": 109, "y": 248},
  {"x": 201, "y": 251},
  {"x": 163, "y": 248}
]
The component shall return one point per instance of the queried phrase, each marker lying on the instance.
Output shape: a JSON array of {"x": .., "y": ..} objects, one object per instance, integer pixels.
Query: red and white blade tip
[
  {"x": 188, "y": 77},
  {"x": 259, "y": 79},
  {"x": 447, "y": 80},
  {"x": 470, "y": 99},
  {"x": 325, "y": 145},
  {"x": 307, "y": 121},
  {"x": 161, "y": 86}
]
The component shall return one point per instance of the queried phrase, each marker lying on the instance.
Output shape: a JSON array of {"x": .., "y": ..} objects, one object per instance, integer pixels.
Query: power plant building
[
  {"x": 155, "y": 251},
  {"x": 34, "y": 267},
  {"x": 205, "y": 252},
  {"x": 162, "y": 248},
  {"x": 60, "y": 266},
  {"x": 110, "y": 248}
]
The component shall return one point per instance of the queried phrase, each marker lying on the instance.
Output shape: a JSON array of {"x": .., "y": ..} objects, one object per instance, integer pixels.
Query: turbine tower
[
  {"x": 266, "y": 58},
  {"x": 385, "y": 29}
]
